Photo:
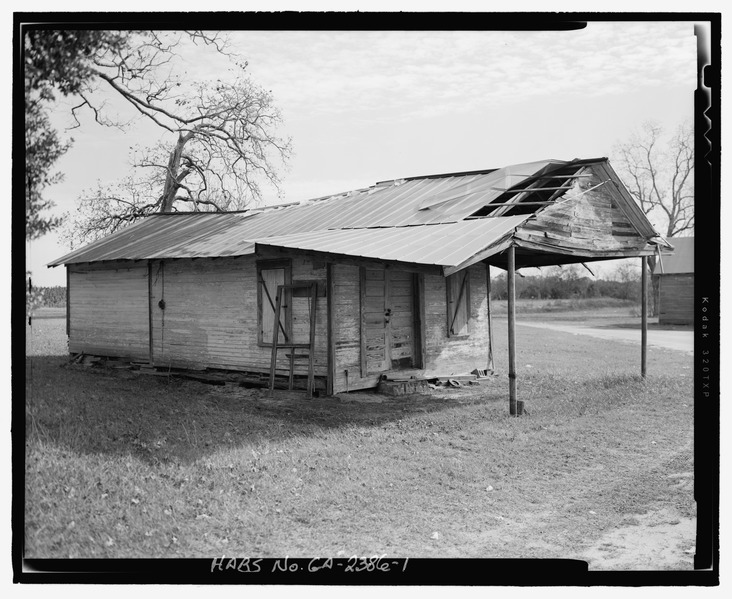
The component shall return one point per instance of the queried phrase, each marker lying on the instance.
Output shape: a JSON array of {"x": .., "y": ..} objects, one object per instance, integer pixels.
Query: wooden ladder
[{"x": 293, "y": 347}]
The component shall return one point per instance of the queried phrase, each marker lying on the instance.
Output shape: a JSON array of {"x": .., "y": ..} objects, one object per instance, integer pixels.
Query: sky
[{"x": 367, "y": 106}]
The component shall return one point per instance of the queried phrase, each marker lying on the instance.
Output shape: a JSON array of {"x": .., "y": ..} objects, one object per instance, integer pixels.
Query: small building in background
[{"x": 675, "y": 274}]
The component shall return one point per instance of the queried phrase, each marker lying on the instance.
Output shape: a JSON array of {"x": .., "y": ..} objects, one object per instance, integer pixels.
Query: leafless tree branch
[
  {"x": 222, "y": 140},
  {"x": 658, "y": 172}
]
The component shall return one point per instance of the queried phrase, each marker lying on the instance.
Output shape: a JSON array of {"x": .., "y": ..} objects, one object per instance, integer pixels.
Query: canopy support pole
[
  {"x": 512, "y": 401},
  {"x": 644, "y": 314},
  {"x": 491, "y": 367}
]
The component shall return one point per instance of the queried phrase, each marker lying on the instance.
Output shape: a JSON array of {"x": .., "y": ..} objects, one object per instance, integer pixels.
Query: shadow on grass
[{"x": 98, "y": 410}]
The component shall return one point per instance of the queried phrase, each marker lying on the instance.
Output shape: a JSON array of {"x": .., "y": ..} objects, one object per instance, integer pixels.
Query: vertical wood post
[
  {"x": 330, "y": 306},
  {"x": 150, "y": 309},
  {"x": 362, "y": 319},
  {"x": 491, "y": 367},
  {"x": 644, "y": 314},
  {"x": 419, "y": 319},
  {"x": 311, "y": 349},
  {"x": 275, "y": 339},
  {"x": 68, "y": 301},
  {"x": 387, "y": 322},
  {"x": 512, "y": 400}
]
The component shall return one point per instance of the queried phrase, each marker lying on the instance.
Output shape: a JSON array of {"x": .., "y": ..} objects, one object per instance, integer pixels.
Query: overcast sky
[{"x": 368, "y": 106}]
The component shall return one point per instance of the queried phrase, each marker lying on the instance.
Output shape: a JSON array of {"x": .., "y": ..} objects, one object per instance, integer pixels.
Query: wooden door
[{"x": 387, "y": 320}]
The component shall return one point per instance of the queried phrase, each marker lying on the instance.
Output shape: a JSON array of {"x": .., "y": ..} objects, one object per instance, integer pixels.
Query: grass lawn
[{"x": 121, "y": 464}]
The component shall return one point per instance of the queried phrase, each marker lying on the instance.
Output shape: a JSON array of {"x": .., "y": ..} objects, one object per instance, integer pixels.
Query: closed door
[{"x": 387, "y": 319}]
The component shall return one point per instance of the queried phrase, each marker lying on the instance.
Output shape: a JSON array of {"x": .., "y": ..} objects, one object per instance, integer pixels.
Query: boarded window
[
  {"x": 270, "y": 275},
  {"x": 458, "y": 304}
]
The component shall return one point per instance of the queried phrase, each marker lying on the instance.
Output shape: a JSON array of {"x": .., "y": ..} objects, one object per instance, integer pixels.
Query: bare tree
[
  {"x": 659, "y": 173},
  {"x": 218, "y": 141},
  {"x": 223, "y": 148}
]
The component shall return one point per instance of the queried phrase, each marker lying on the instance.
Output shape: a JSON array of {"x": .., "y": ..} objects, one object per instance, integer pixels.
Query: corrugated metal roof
[
  {"x": 451, "y": 245},
  {"x": 189, "y": 235},
  {"x": 392, "y": 204},
  {"x": 399, "y": 203},
  {"x": 681, "y": 261}
]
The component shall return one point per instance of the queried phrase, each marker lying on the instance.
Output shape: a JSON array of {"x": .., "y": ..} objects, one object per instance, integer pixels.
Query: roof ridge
[
  {"x": 445, "y": 175},
  {"x": 200, "y": 213}
]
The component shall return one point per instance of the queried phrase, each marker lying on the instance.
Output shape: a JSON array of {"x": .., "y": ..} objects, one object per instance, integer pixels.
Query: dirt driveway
[
  {"x": 664, "y": 537},
  {"x": 677, "y": 340}
]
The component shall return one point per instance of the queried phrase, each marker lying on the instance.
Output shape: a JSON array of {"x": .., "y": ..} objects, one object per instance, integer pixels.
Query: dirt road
[{"x": 676, "y": 340}]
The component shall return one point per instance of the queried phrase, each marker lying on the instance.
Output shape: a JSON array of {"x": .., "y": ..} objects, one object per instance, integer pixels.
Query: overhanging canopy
[{"x": 452, "y": 246}]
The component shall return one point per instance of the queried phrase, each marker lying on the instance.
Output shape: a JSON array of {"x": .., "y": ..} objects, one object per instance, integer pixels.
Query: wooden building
[
  {"x": 675, "y": 274},
  {"x": 400, "y": 270}
]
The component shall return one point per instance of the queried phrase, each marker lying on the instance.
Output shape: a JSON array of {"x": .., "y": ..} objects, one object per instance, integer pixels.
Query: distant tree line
[
  {"x": 567, "y": 283},
  {"x": 551, "y": 286},
  {"x": 52, "y": 297}
]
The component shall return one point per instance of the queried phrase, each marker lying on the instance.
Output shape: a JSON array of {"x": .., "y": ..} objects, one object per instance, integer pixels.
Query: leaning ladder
[{"x": 276, "y": 345}]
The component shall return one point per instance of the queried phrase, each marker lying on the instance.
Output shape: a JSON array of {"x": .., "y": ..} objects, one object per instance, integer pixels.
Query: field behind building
[{"x": 124, "y": 464}]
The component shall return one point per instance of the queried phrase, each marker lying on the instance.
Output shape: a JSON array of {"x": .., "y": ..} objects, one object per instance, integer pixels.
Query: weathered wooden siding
[
  {"x": 204, "y": 321},
  {"x": 108, "y": 310},
  {"x": 458, "y": 354},
  {"x": 443, "y": 354},
  {"x": 583, "y": 219},
  {"x": 210, "y": 316},
  {"x": 676, "y": 302}
]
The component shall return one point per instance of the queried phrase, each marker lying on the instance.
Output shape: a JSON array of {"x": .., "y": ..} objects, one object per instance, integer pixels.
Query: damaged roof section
[
  {"x": 541, "y": 189},
  {"x": 554, "y": 211}
]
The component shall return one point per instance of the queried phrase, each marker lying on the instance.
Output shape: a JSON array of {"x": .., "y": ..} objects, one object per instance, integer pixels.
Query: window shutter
[
  {"x": 270, "y": 279},
  {"x": 457, "y": 293}
]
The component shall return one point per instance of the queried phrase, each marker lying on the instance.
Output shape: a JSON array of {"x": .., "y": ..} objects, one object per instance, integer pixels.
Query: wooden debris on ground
[
  {"x": 402, "y": 386},
  {"x": 396, "y": 387}
]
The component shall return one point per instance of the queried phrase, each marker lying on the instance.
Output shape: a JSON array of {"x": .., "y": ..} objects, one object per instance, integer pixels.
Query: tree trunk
[{"x": 172, "y": 181}]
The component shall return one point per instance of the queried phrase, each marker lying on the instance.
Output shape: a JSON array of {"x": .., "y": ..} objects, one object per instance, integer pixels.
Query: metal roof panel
[
  {"x": 433, "y": 201},
  {"x": 681, "y": 261},
  {"x": 446, "y": 245}
]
